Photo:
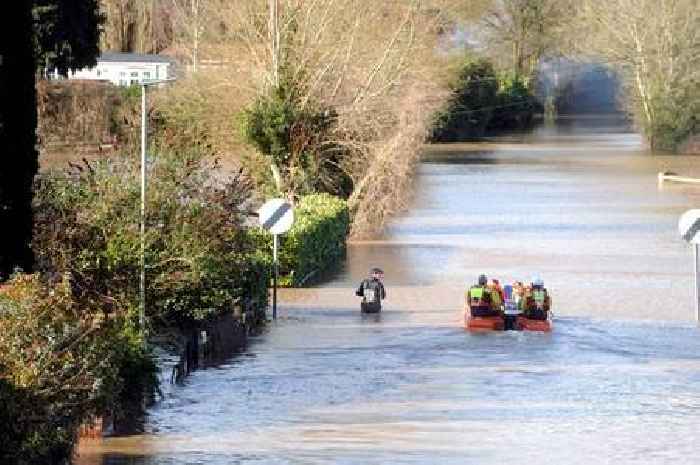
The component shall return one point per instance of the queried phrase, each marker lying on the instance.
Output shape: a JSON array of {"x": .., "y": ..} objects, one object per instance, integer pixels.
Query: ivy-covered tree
[{"x": 61, "y": 34}]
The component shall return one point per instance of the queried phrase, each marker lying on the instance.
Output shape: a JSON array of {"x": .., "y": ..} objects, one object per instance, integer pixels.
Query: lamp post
[{"x": 144, "y": 143}]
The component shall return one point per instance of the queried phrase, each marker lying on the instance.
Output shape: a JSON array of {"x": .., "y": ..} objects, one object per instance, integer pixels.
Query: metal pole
[
  {"x": 274, "y": 277},
  {"x": 274, "y": 25},
  {"x": 696, "y": 253},
  {"x": 142, "y": 280}
]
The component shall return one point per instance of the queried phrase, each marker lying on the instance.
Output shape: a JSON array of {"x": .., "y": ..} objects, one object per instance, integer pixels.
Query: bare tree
[
  {"x": 525, "y": 30},
  {"x": 377, "y": 65},
  {"x": 656, "y": 43},
  {"x": 137, "y": 25}
]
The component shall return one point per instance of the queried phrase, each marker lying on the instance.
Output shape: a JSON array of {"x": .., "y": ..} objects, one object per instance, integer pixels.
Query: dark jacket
[{"x": 372, "y": 292}]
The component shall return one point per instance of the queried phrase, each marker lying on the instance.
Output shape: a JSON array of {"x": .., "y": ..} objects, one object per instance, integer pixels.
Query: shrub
[
  {"x": 482, "y": 101},
  {"x": 294, "y": 139},
  {"x": 516, "y": 104},
  {"x": 62, "y": 363},
  {"x": 316, "y": 241},
  {"x": 198, "y": 253},
  {"x": 475, "y": 94}
]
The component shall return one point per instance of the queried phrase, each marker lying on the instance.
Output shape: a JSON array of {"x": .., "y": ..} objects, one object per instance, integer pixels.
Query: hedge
[{"x": 316, "y": 243}]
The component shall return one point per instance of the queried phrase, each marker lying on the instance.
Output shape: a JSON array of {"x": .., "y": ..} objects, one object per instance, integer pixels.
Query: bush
[
  {"x": 62, "y": 363},
  {"x": 484, "y": 101},
  {"x": 516, "y": 105},
  {"x": 70, "y": 344},
  {"x": 475, "y": 94},
  {"x": 316, "y": 241},
  {"x": 198, "y": 253},
  {"x": 299, "y": 155}
]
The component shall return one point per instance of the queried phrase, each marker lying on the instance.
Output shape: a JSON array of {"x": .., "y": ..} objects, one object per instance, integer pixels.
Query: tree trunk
[{"x": 17, "y": 136}]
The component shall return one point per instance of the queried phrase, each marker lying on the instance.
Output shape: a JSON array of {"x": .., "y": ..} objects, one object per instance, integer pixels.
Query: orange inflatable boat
[
  {"x": 528, "y": 324},
  {"x": 484, "y": 323},
  {"x": 512, "y": 319}
]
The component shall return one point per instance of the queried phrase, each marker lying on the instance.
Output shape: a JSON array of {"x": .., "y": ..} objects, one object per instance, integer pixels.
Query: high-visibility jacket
[
  {"x": 538, "y": 299},
  {"x": 479, "y": 296}
]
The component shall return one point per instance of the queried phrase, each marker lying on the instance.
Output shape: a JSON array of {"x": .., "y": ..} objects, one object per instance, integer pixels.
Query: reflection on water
[{"x": 327, "y": 385}]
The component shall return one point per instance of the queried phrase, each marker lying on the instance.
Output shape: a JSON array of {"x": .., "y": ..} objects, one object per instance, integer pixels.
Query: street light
[{"x": 144, "y": 131}]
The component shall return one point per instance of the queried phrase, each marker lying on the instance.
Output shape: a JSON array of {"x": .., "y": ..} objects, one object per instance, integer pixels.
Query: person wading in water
[{"x": 372, "y": 292}]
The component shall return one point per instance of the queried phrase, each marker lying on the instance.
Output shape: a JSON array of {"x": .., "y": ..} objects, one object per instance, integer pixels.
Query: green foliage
[
  {"x": 675, "y": 118},
  {"x": 516, "y": 104},
  {"x": 295, "y": 140},
  {"x": 70, "y": 344},
  {"x": 67, "y": 33},
  {"x": 471, "y": 109},
  {"x": 198, "y": 254},
  {"x": 484, "y": 101},
  {"x": 316, "y": 242},
  {"x": 62, "y": 363}
]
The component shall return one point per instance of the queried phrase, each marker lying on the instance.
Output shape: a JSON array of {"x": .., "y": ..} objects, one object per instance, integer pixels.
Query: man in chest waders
[{"x": 372, "y": 292}]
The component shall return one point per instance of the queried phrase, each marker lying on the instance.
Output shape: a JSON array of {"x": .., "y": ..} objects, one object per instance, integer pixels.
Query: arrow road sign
[
  {"x": 276, "y": 216},
  {"x": 689, "y": 226}
]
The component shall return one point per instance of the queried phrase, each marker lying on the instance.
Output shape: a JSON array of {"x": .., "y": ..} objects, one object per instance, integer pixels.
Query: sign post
[
  {"x": 689, "y": 227},
  {"x": 276, "y": 216}
]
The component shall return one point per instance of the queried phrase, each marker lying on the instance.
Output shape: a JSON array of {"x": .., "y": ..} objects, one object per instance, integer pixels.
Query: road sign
[
  {"x": 689, "y": 226},
  {"x": 276, "y": 216}
]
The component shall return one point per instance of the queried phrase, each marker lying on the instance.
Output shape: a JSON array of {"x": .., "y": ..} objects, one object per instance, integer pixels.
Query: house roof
[{"x": 116, "y": 57}]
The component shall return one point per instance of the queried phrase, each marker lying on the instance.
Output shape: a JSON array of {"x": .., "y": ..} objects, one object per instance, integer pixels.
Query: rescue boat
[
  {"x": 511, "y": 320},
  {"x": 528, "y": 324},
  {"x": 484, "y": 323}
]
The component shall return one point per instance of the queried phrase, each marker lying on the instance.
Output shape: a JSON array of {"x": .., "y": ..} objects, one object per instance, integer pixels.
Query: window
[
  {"x": 99, "y": 73},
  {"x": 134, "y": 82},
  {"x": 135, "y": 74},
  {"x": 122, "y": 74},
  {"x": 147, "y": 75}
]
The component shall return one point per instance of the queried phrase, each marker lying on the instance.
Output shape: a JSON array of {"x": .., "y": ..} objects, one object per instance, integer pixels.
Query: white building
[{"x": 125, "y": 69}]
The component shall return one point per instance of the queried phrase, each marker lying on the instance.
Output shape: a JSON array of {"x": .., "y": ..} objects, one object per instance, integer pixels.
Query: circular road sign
[
  {"x": 689, "y": 226},
  {"x": 276, "y": 216}
]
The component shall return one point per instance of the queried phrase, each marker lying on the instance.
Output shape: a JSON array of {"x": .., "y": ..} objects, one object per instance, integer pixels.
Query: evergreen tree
[
  {"x": 61, "y": 34},
  {"x": 17, "y": 136}
]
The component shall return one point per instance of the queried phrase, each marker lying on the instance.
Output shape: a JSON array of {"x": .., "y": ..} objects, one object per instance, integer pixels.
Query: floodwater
[{"x": 617, "y": 381}]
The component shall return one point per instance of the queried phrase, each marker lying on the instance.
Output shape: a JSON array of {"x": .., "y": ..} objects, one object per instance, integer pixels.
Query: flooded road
[{"x": 618, "y": 381}]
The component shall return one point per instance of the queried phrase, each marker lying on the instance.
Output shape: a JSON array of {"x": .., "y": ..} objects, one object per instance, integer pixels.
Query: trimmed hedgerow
[{"x": 315, "y": 243}]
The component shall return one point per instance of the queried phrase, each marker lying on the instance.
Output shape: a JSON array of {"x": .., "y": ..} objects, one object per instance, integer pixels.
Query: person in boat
[
  {"x": 372, "y": 292},
  {"x": 480, "y": 299},
  {"x": 536, "y": 301},
  {"x": 518, "y": 293},
  {"x": 497, "y": 291}
]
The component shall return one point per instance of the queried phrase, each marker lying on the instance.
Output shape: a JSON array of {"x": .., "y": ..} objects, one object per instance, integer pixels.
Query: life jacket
[
  {"x": 479, "y": 296},
  {"x": 371, "y": 291},
  {"x": 537, "y": 300}
]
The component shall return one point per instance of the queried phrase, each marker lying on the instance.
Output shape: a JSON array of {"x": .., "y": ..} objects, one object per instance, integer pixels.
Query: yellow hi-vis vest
[
  {"x": 477, "y": 295},
  {"x": 540, "y": 297}
]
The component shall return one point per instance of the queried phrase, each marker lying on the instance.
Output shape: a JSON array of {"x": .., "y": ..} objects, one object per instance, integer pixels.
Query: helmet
[
  {"x": 482, "y": 280},
  {"x": 537, "y": 282}
]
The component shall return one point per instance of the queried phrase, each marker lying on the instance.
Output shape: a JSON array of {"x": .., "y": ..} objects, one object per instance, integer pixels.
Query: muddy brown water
[{"x": 618, "y": 381}]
